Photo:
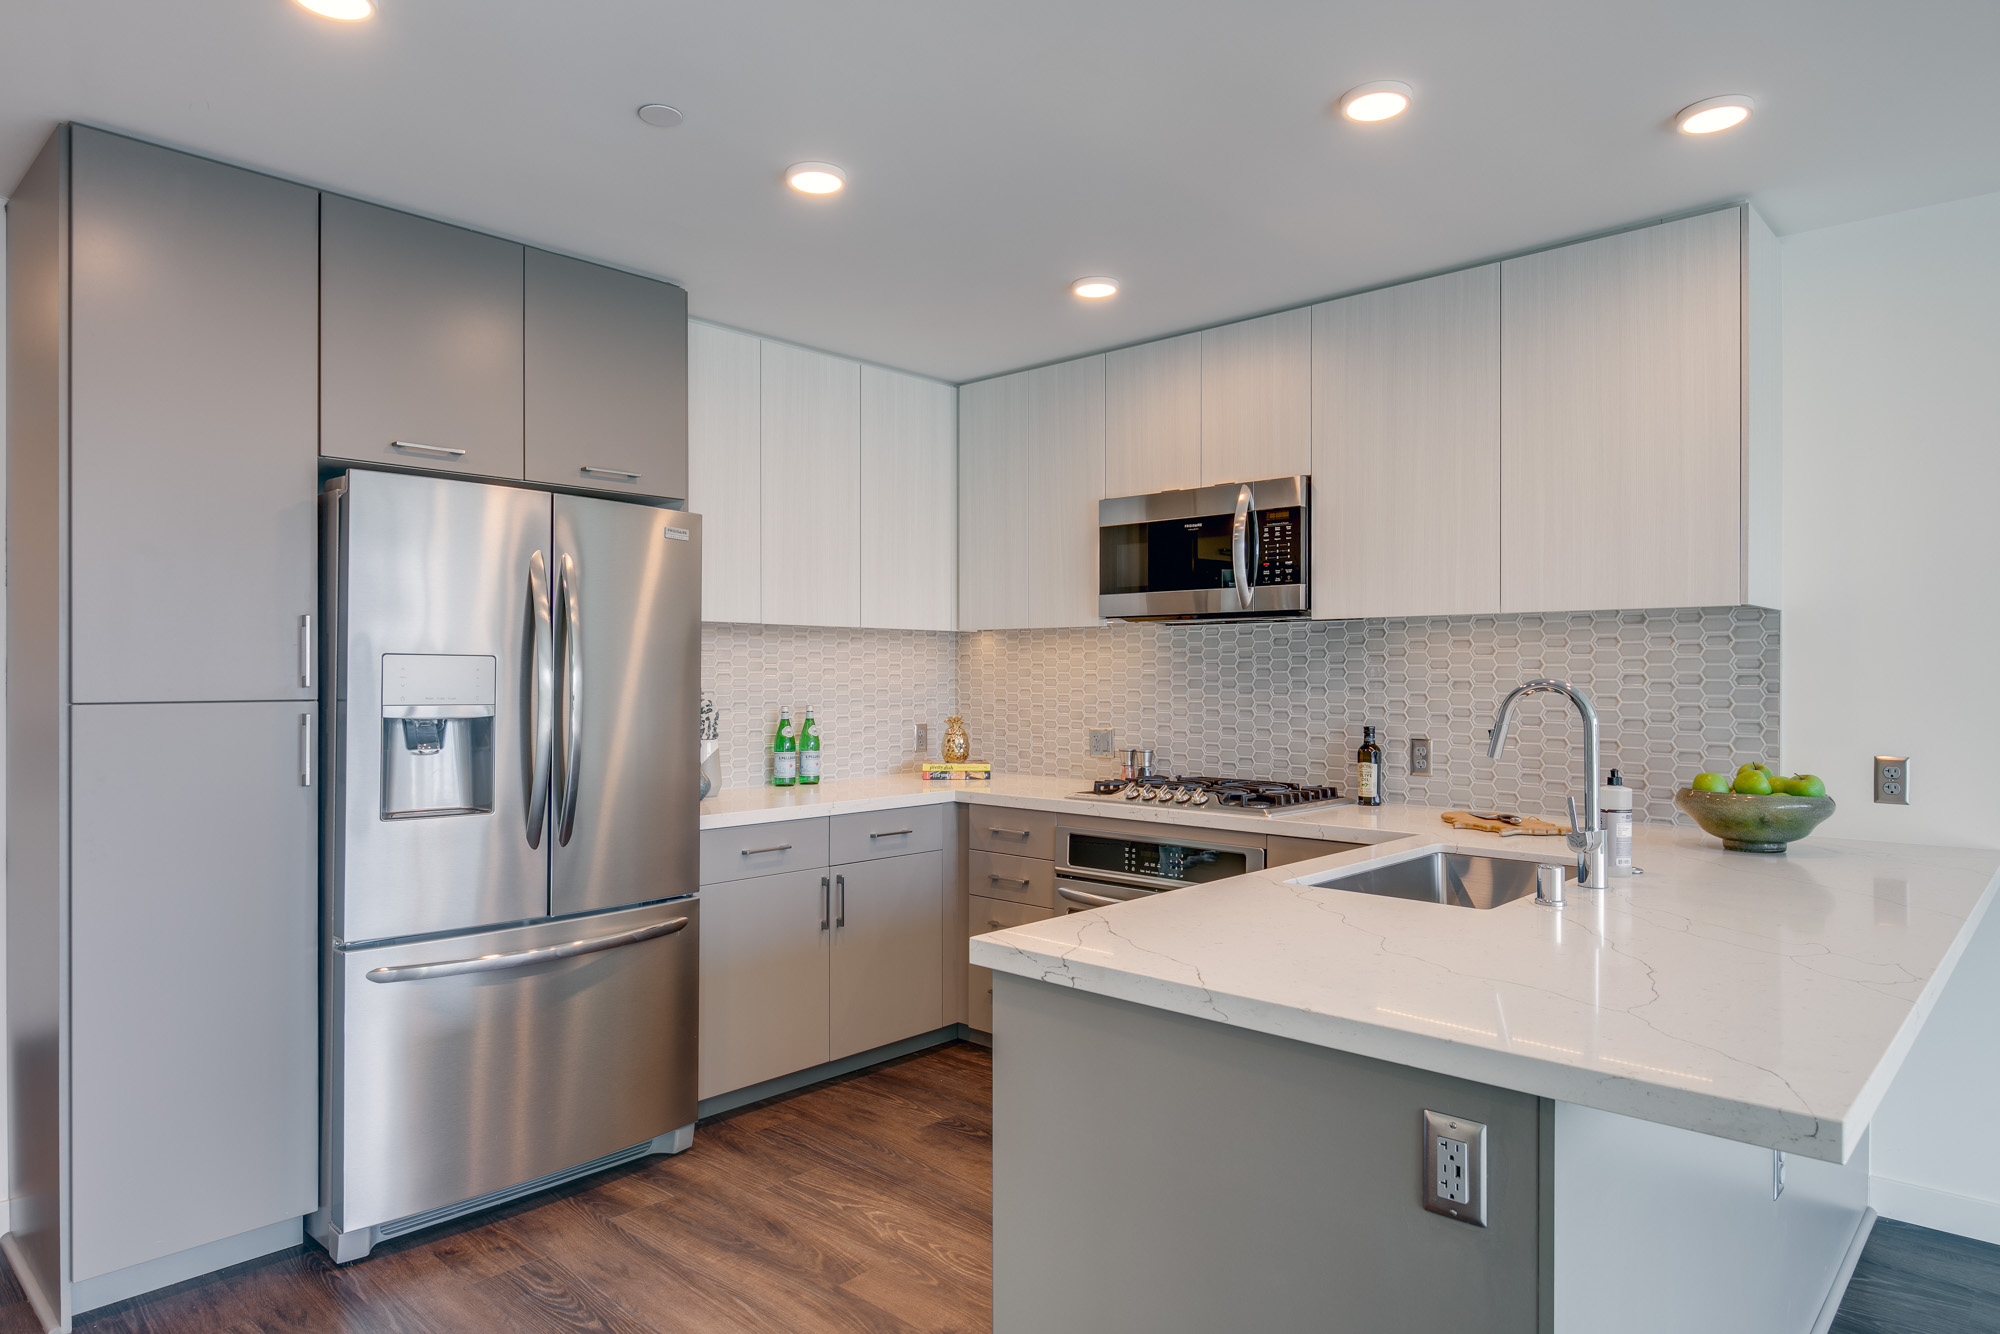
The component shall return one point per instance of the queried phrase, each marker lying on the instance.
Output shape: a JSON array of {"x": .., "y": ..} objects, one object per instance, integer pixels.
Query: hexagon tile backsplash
[{"x": 1676, "y": 692}]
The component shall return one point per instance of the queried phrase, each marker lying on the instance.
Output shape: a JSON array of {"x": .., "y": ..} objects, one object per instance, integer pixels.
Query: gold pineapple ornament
[{"x": 956, "y": 745}]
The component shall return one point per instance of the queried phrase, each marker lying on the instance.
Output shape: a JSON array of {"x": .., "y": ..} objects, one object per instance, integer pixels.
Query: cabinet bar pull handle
[
  {"x": 413, "y": 972},
  {"x": 1010, "y": 833},
  {"x": 435, "y": 451},
  {"x": 306, "y": 651},
  {"x": 840, "y": 884},
  {"x": 608, "y": 472},
  {"x": 1092, "y": 900},
  {"x": 825, "y": 901},
  {"x": 777, "y": 847},
  {"x": 305, "y": 750},
  {"x": 1009, "y": 880},
  {"x": 995, "y": 925},
  {"x": 893, "y": 833}
]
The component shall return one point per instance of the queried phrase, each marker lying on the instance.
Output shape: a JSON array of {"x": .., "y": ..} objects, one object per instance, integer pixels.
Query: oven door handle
[
  {"x": 1239, "y": 545},
  {"x": 1087, "y": 900}
]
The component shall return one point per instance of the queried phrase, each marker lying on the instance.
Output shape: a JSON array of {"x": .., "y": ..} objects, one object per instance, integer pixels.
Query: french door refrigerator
[{"x": 509, "y": 843}]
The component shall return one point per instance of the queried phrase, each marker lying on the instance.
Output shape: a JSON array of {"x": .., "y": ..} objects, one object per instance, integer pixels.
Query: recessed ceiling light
[
  {"x": 1094, "y": 289},
  {"x": 660, "y": 114},
  {"x": 1376, "y": 101},
  {"x": 340, "y": 9},
  {"x": 815, "y": 178},
  {"x": 1716, "y": 113}
]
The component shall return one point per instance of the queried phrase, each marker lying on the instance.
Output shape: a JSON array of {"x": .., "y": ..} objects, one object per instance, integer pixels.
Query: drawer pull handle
[
  {"x": 486, "y": 963},
  {"x": 591, "y": 471},
  {"x": 779, "y": 847},
  {"x": 995, "y": 925},
  {"x": 435, "y": 451},
  {"x": 1008, "y": 880},
  {"x": 893, "y": 833},
  {"x": 1088, "y": 900},
  {"x": 1006, "y": 833}
]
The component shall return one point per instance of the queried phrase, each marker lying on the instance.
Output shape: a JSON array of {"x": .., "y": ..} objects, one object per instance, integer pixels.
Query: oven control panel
[{"x": 1280, "y": 553}]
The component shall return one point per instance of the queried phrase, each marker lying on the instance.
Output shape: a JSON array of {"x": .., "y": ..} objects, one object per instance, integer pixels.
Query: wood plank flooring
[
  {"x": 1912, "y": 1279},
  {"x": 861, "y": 1205}
]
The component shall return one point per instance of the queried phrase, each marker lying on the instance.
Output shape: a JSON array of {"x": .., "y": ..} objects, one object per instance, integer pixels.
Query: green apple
[
  {"x": 1710, "y": 783},
  {"x": 1806, "y": 785},
  {"x": 1753, "y": 783}
]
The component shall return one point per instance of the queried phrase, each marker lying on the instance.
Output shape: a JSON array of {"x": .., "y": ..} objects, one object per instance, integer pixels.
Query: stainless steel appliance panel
[
  {"x": 1148, "y": 861},
  {"x": 422, "y": 565},
  {"x": 626, "y": 800},
  {"x": 1235, "y": 551},
  {"x": 467, "y": 1078}
]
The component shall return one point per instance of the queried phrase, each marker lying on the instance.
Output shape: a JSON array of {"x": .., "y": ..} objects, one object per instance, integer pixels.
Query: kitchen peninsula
[{"x": 1639, "y": 1060}]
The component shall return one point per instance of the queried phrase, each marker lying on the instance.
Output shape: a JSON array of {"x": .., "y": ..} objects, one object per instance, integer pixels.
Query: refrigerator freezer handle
[
  {"x": 487, "y": 963},
  {"x": 541, "y": 697},
  {"x": 568, "y": 606}
]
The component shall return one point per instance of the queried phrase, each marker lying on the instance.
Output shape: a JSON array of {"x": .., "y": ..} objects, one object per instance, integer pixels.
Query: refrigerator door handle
[
  {"x": 488, "y": 963},
  {"x": 567, "y": 604},
  {"x": 541, "y": 697}
]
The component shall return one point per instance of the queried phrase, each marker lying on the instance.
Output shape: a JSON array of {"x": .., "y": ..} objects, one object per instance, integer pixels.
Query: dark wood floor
[
  {"x": 862, "y": 1205},
  {"x": 1912, "y": 1280}
]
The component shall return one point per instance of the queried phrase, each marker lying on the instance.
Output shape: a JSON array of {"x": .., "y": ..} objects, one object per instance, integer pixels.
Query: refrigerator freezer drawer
[{"x": 471, "y": 1063}]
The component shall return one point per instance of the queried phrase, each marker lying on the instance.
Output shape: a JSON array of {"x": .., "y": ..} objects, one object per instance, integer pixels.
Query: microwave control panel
[{"x": 1278, "y": 547}]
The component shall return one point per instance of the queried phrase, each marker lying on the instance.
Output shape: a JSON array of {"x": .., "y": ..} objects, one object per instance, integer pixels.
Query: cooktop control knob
[
  {"x": 1132, "y": 792},
  {"x": 1199, "y": 799},
  {"x": 1150, "y": 794},
  {"x": 1183, "y": 796}
]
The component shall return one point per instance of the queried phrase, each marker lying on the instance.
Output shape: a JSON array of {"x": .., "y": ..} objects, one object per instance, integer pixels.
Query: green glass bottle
[
  {"x": 809, "y": 751},
  {"x": 784, "y": 752}
]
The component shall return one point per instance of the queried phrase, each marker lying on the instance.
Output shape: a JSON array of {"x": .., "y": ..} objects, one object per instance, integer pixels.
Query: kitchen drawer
[
  {"x": 1282, "y": 850},
  {"x": 762, "y": 849},
  {"x": 872, "y": 834},
  {"x": 984, "y": 915},
  {"x": 1021, "y": 879},
  {"x": 1020, "y": 833}
]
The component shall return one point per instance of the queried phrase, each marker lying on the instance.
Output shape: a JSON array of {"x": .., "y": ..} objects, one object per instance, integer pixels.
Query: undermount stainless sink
[{"x": 1458, "y": 879}]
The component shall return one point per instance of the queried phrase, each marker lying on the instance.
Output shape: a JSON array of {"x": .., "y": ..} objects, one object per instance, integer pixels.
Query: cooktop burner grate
[{"x": 1250, "y": 794}]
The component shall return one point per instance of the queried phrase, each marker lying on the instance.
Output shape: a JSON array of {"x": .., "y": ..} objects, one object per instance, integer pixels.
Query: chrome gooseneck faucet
[{"x": 1586, "y": 839}]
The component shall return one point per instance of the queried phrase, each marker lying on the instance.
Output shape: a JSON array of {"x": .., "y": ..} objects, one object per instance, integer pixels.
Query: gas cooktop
[{"x": 1262, "y": 796}]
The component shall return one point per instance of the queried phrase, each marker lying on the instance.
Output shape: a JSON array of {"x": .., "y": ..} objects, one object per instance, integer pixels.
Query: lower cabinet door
[
  {"x": 888, "y": 937},
  {"x": 981, "y": 916},
  {"x": 763, "y": 978},
  {"x": 194, "y": 976}
]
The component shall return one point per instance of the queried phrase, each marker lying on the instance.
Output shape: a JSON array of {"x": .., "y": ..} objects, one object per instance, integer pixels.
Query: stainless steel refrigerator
[{"x": 509, "y": 842}]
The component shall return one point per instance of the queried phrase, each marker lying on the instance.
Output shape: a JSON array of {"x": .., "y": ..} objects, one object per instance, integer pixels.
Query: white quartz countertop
[{"x": 1764, "y": 999}]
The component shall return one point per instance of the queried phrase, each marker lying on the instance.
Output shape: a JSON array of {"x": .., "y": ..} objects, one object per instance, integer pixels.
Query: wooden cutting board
[{"x": 1528, "y": 825}]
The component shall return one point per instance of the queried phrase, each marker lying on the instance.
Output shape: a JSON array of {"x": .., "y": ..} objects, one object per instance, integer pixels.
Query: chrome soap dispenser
[{"x": 437, "y": 734}]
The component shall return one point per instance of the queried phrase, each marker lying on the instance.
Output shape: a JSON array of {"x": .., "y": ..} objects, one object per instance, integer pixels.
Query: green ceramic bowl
[{"x": 1746, "y": 823}]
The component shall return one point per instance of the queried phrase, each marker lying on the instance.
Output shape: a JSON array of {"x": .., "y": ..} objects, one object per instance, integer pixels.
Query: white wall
[{"x": 1892, "y": 614}]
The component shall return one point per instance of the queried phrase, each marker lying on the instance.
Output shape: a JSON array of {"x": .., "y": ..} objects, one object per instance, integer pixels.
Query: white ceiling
[{"x": 995, "y": 151}]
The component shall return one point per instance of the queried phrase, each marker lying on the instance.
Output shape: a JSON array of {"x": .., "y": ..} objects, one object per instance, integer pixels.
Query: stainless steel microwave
[{"x": 1234, "y": 552}]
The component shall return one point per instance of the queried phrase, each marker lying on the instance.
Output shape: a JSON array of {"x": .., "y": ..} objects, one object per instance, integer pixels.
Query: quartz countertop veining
[{"x": 1759, "y": 998}]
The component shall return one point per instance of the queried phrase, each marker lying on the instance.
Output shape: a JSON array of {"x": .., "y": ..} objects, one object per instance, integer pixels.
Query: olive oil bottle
[{"x": 1368, "y": 770}]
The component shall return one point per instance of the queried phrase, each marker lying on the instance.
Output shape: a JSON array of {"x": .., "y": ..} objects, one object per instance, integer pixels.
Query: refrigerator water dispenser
[{"x": 437, "y": 735}]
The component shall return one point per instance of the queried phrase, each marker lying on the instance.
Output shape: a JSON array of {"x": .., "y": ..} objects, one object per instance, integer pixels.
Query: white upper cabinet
[
  {"x": 1152, "y": 417},
  {"x": 1065, "y": 482},
  {"x": 1406, "y": 449},
  {"x": 909, "y": 497},
  {"x": 725, "y": 468},
  {"x": 993, "y": 503},
  {"x": 811, "y": 488},
  {"x": 1622, "y": 441},
  {"x": 1256, "y": 399}
]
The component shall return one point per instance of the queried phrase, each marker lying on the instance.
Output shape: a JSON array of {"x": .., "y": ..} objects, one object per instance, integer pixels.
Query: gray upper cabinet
[
  {"x": 607, "y": 373},
  {"x": 193, "y": 400},
  {"x": 420, "y": 342}
]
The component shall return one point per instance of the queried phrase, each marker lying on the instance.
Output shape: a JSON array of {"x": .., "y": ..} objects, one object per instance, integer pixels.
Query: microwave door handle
[
  {"x": 1239, "y": 545},
  {"x": 540, "y": 697},
  {"x": 567, "y": 604}
]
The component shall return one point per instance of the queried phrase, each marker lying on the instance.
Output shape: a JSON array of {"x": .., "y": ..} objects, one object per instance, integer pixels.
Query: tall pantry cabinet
[{"x": 163, "y": 442}]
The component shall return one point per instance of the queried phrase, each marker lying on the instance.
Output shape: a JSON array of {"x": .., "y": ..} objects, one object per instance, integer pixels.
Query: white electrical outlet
[
  {"x": 1100, "y": 741},
  {"x": 1455, "y": 1168},
  {"x": 1892, "y": 780},
  {"x": 923, "y": 738}
]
